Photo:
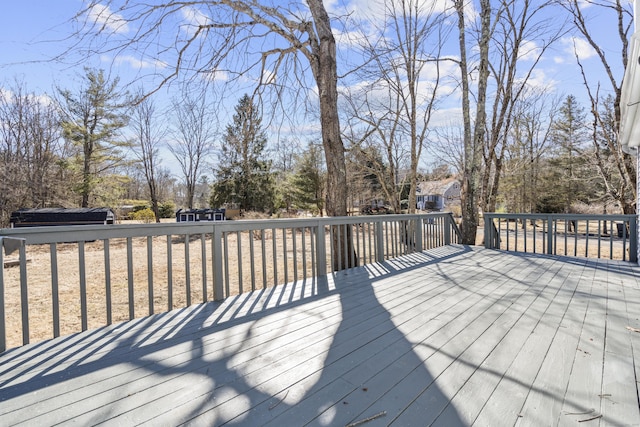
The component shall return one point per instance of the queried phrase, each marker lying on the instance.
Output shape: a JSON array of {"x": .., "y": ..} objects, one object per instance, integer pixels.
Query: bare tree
[
  {"x": 220, "y": 42},
  {"x": 617, "y": 168},
  {"x": 473, "y": 137},
  {"x": 284, "y": 154},
  {"x": 533, "y": 120},
  {"x": 377, "y": 143},
  {"x": 522, "y": 33},
  {"x": 194, "y": 138},
  {"x": 149, "y": 133},
  {"x": 448, "y": 147},
  {"x": 510, "y": 39},
  {"x": 32, "y": 152},
  {"x": 396, "y": 105}
]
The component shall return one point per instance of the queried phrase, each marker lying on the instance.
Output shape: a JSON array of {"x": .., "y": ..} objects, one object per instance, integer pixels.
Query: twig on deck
[
  {"x": 366, "y": 420},
  {"x": 279, "y": 401},
  {"x": 590, "y": 419}
]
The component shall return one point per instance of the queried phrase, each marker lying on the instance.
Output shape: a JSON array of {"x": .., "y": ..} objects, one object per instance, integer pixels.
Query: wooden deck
[{"x": 453, "y": 336}]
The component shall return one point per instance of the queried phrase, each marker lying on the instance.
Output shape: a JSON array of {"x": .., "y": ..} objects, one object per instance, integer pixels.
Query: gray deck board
[
  {"x": 452, "y": 336},
  {"x": 619, "y": 404}
]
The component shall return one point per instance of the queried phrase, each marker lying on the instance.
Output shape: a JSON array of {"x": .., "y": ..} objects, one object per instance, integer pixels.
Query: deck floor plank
[
  {"x": 489, "y": 360},
  {"x": 581, "y": 398},
  {"x": 506, "y": 401},
  {"x": 619, "y": 392},
  {"x": 452, "y": 364},
  {"x": 275, "y": 369},
  {"x": 451, "y": 336},
  {"x": 544, "y": 402},
  {"x": 394, "y": 360}
]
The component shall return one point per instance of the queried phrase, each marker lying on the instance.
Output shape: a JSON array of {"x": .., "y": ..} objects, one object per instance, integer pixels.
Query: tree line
[
  {"x": 513, "y": 139},
  {"x": 98, "y": 146}
]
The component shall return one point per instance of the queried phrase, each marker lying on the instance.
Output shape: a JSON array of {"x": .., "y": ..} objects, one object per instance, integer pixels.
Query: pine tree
[
  {"x": 243, "y": 177},
  {"x": 307, "y": 183},
  {"x": 569, "y": 136},
  {"x": 93, "y": 119}
]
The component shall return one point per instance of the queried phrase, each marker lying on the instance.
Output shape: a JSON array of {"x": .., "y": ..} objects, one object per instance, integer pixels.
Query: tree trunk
[
  {"x": 86, "y": 172},
  {"x": 324, "y": 68},
  {"x": 473, "y": 143}
]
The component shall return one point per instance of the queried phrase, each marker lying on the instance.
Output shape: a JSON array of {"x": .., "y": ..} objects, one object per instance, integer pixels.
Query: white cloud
[
  {"x": 540, "y": 79},
  {"x": 346, "y": 39},
  {"x": 375, "y": 11},
  {"x": 573, "y": 46},
  {"x": 529, "y": 50},
  {"x": 9, "y": 96},
  {"x": 5, "y": 93},
  {"x": 193, "y": 19},
  {"x": 133, "y": 62},
  {"x": 216, "y": 76},
  {"x": 104, "y": 17},
  {"x": 44, "y": 99},
  {"x": 139, "y": 63}
]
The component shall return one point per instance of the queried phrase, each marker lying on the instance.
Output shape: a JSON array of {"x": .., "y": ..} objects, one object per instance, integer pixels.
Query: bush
[
  {"x": 145, "y": 215},
  {"x": 167, "y": 210}
]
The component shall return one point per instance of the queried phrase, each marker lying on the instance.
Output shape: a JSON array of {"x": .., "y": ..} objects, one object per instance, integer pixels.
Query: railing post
[
  {"x": 3, "y": 309},
  {"x": 321, "y": 249},
  {"x": 417, "y": 231},
  {"x": 9, "y": 245},
  {"x": 379, "y": 242},
  {"x": 549, "y": 235},
  {"x": 447, "y": 230},
  {"x": 487, "y": 236},
  {"x": 633, "y": 239},
  {"x": 24, "y": 294},
  {"x": 218, "y": 285}
]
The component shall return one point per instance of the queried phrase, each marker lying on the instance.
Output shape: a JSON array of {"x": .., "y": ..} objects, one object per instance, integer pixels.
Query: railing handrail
[
  {"x": 307, "y": 249},
  {"x": 492, "y": 237},
  {"x": 612, "y": 217},
  {"x": 74, "y": 233}
]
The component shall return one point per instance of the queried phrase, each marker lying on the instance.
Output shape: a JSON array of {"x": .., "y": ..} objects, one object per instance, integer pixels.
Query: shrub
[
  {"x": 167, "y": 210},
  {"x": 145, "y": 215}
]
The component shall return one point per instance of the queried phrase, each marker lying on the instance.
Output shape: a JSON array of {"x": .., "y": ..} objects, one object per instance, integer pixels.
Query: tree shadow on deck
[{"x": 323, "y": 352}]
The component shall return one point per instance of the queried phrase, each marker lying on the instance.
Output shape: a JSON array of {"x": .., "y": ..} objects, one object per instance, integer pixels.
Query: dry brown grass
[{"x": 269, "y": 270}]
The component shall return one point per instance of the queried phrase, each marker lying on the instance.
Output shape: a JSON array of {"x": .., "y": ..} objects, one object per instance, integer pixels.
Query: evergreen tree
[
  {"x": 242, "y": 176},
  {"x": 93, "y": 119},
  {"x": 307, "y": 183},
  {"x": 569, "y": 136},
  {"x": 370, "y": 178}
]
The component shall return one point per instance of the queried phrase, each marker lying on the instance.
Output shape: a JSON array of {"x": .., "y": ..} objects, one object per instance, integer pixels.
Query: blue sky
[
  {"x": 32, "y": 32},
  {"x": 37, "y": 30}
]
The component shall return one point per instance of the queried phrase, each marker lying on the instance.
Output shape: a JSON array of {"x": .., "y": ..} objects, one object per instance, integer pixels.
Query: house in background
[{"x": 438, "y": 195}]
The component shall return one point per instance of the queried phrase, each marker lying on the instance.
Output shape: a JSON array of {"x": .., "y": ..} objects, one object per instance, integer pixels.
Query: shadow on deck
[{"x": 452, "y": 336}]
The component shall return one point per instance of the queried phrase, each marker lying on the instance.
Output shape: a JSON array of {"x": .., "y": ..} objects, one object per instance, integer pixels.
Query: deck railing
[
  {"x": 595, "y": 236},
  {"x": 72, "y": 278}
]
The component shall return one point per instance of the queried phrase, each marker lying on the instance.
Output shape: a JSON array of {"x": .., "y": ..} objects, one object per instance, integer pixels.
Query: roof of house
[{"x": 437, "y": 187}]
